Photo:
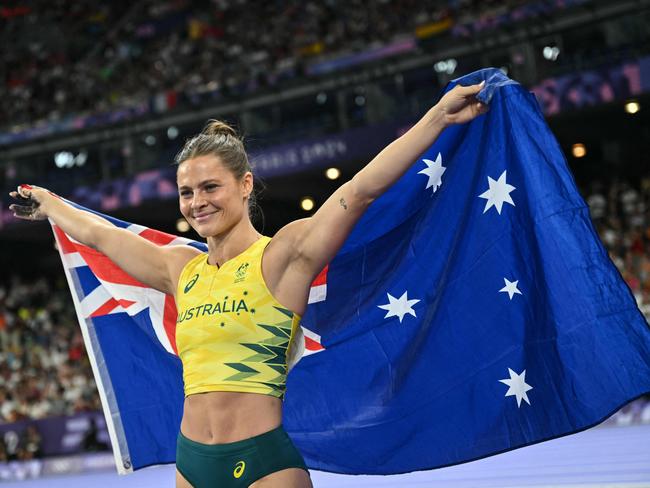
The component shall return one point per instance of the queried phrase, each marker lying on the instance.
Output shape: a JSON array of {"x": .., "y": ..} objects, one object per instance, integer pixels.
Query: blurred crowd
[
  {"x": 63, "y": 57},
  {"x": 22, "y": 448},
  {"x": 92, "y": 56},
  {"x": 44, "y": 369},
  {"x": 621, "y": 214}
]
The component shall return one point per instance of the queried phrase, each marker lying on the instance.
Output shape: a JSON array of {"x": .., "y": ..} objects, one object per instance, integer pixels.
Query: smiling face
[{"x": 211, "y": 198}]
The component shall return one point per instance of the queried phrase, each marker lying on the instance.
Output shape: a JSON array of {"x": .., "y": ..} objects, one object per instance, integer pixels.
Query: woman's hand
[
  {"x": 30, "y": 202},
  {"x": 460, "y": 105}
]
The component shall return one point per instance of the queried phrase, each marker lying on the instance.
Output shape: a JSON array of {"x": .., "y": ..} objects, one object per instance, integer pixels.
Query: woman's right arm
[{"x": 153, "y": 265}]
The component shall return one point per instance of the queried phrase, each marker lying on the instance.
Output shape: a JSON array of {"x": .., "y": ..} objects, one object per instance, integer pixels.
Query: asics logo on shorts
[{"x": 239, "y": 469}]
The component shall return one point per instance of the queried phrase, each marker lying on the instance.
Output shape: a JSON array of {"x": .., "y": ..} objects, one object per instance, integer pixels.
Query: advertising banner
[{"x": 61, "y": 435}]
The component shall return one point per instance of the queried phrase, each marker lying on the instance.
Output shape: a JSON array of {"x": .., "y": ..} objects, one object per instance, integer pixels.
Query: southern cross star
[
  {"x": 398, "y": 307},
  {"x": 434, "y": 171},
  {"x": 510, "y": 288},
  {"x": 497, "y": 193},
  {"x": 517, "y": 386}
]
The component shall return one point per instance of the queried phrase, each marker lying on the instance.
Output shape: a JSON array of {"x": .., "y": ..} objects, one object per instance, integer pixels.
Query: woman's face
[{"x": 211, "y": 198}]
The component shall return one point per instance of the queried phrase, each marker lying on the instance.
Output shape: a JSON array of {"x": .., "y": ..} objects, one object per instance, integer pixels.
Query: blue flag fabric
[{"x": 472, "y": 310}]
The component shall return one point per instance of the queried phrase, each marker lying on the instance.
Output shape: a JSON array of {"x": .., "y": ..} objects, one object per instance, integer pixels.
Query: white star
[
  {"x": 498, "y": 193},
  {"x": 517, "y": 386},
  {"x": 398, "y": 307},
  {"x": 434, "y": 171},
  {"x": 510, "y": 288}
]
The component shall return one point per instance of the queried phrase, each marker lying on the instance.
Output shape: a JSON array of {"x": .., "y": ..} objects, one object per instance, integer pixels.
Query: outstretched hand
[
  {"x": 460, "y": 104},
  {"x": 29, "y": 202}
]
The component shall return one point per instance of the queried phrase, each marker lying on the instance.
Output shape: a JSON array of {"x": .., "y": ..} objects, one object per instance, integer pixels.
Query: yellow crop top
[{"x": 231, "y": 333}]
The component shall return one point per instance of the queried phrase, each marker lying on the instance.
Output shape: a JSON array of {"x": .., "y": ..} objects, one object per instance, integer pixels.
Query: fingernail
[
  {"x": 26, "y": 187},
  {"x": 481, "y": 83}
]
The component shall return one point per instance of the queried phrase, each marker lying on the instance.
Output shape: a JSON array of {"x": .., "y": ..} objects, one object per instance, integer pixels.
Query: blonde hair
[{"x": 219, "y": 139}]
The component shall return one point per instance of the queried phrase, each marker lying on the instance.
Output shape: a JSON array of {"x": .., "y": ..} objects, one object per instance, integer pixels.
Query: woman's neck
[{"x": 236, "y": 240}]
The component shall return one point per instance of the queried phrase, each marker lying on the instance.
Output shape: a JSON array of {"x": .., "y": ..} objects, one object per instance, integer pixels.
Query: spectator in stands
[
  {"x": 10, "y": 443},
  {"x": 91, "y": 442},
  {"x": 30, "y": 445},
  {"x": 4, "y": 456}
]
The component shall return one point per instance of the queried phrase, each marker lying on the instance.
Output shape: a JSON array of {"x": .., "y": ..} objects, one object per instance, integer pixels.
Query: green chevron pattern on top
[
  {"x": 272, "y": 351},
  {"x": 245, "y": 372},
  {"x": 285, "y": 311},
  {"x": 261, "y": 349},
  {"x": 279, "y": 368},
  {"x": 282, "y": 330},
  {"x": 275, "y": 387},
  {"x": 242, "y": 368},
  {"x": 279, "y": 355},
  {"x": 267, "y": 354}
]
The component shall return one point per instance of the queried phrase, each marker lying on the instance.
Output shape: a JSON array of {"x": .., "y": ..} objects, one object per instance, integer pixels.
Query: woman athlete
[{"x": 240, "y": 304}]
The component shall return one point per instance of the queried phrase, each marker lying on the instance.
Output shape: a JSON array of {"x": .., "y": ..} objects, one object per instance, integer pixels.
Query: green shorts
[{"x": 236, "y": 464}]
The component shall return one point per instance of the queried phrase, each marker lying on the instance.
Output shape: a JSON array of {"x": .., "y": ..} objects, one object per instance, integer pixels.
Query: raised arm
[
  {"x": 155, "y": 266},
  {"x": 316, "y": 240}
]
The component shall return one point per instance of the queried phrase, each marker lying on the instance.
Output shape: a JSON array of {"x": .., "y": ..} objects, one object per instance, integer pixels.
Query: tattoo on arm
[{"x": 343, "y": 204}]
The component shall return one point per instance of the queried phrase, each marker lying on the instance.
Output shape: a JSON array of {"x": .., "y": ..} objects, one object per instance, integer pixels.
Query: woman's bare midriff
[{"x": 220, "y": 417}]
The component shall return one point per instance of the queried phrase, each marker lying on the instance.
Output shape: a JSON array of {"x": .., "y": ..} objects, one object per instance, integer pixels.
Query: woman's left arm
[{"x": 317, "y": 239}]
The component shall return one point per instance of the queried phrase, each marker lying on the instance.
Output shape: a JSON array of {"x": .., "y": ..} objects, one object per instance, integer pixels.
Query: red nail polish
[{"x": 26, "y": 187}]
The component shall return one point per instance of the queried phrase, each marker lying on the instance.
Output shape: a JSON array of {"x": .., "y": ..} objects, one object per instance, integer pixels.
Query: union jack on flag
[{"x": 110, "y": 290}]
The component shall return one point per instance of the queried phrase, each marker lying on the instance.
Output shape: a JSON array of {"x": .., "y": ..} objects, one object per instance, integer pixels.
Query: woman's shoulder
[
  {"x": 284, "y": 244},
  {"x": 188, "y": 255},
  {"x": 291, "y": 232},
  {"x": 282, "y": 270},
  {"x": 182, "y": 258}
]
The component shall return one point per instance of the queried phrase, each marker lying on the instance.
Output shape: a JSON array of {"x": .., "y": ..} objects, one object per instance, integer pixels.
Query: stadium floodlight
[
  {"x": 172, "y": 132},
  {"x": 307, "y": 204},
  {"x": 64, "y": 159},
  {"x": 551, "y": 52},
  {"x": 632, "y": 107},
  {"x": 81, "y": 158},
  {"x": 579, "y": 150},
  {"x": 447, "y": 66},
  {"x": 332, "y": 173},
  {"x": 182, "y": 225},
  {"x": 150, "y": 140}
]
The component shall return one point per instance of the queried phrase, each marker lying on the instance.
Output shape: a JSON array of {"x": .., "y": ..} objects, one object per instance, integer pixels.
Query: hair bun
[{"x": 217, "y": 127}]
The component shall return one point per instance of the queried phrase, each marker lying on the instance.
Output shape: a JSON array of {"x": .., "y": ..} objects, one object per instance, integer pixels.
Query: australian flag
[{"x": 472, "y": 310}]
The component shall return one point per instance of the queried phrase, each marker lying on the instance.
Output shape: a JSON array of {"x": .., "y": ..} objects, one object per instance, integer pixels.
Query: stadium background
[{"x": 96, "y": 99}]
